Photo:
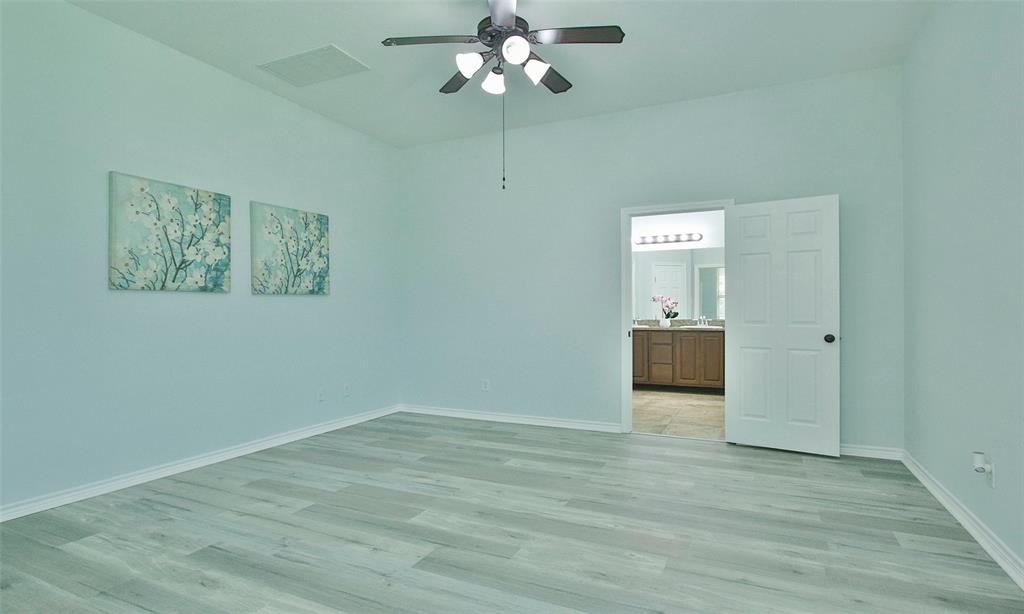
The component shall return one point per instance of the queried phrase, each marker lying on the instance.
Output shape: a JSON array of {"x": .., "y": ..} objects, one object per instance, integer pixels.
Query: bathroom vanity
[{"x": 679, "y": 356}]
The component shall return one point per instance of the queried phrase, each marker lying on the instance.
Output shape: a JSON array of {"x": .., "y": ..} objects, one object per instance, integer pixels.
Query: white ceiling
[
  {"x": 672, "y": 51},
  {"x": 711, "y": 224}
]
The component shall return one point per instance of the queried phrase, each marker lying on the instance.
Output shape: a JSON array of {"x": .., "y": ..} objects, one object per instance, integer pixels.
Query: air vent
[{"x": 314, "y": 66}]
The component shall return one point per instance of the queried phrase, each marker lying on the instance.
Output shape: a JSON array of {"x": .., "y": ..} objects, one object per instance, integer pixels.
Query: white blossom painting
[
  {"x": 168, "y": 237},
  {"x": 290, "y": 251}
]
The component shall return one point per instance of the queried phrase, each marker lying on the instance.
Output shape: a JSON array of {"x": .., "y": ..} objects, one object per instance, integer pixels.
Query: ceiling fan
[{"x": 509, "y": 39}]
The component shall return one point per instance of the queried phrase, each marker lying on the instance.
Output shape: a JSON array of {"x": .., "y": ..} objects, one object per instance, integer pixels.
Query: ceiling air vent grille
[{"x": 314, "y": 66}]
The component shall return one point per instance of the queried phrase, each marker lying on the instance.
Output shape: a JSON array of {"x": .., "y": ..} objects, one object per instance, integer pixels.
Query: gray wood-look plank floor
[{"x": 413, "y": 513}]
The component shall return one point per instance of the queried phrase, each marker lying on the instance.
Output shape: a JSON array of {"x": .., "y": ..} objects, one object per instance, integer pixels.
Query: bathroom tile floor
[{"x": 679, "y": 412}]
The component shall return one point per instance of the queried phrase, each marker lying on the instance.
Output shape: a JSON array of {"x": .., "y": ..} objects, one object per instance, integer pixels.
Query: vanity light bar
[{"x": 673, "y": 238}]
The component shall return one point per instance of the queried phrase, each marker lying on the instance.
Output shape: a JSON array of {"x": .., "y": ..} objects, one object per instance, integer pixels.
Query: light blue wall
[
  {"x": 78, "y": 394},
  {"x": 494, "y": 276},
  {"x": 964, "y": 202},
  {"x": 97, "y": 383}
]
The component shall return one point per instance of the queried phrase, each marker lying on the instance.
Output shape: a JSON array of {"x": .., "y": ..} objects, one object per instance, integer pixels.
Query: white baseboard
[
  {"x": 872, "y": 452},
  {"x": 102, "y": 487},
  {"x": 1012, "y": 564},
  {"x": 583, "y": 425}
]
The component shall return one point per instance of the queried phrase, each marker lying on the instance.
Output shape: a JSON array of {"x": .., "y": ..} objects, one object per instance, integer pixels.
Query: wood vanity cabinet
[
  {"x": 679, "y": 358},
  {"x": 687, "y": 358},
  {"x": 659, "y": 366},
  {"x": 639, "y": 357},
  {"x": 712, "y": 359}
]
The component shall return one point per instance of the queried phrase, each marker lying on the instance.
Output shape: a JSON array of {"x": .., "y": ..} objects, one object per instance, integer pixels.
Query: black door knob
[{"x": 829, "y": 338}]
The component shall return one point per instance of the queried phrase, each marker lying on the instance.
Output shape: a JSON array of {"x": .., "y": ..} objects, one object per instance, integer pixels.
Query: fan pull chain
[{"x": 503, "y": 141}]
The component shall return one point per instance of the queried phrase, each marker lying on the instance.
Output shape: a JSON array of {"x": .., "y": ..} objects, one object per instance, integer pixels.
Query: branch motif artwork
[
  {"x": 168, "y": 237},
  {"x": 290, "y": 251}
]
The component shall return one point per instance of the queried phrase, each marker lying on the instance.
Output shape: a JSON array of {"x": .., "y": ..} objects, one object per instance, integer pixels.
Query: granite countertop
[
  {"x": 687, "y": 328},
  {"x": 680, "y": 324}
]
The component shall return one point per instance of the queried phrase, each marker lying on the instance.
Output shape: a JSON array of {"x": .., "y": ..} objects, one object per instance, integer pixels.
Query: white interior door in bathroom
[{"x": 669, "y": 280}]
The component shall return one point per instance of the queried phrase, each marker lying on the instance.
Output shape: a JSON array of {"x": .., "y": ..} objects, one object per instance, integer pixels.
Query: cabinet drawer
[
  {"x": 661, "y": 374},
  {"x": 661, "y": 354},
  {"x": 661, "y": 337}
]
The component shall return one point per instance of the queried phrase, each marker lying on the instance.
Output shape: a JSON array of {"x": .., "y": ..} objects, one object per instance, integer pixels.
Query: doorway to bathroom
[
  {"x": 677, "y": 262},
  {"x": 773, "y": 361}
]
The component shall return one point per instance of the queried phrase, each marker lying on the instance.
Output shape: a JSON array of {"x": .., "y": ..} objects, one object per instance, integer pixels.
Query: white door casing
[{"x": 781, "y": 372}]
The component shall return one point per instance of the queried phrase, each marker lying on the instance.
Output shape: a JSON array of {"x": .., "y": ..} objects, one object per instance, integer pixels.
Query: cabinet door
[
  {"x": 687, "y": 365},
  {"x": 640, "y": 357},
  {"x": 712, "y": 353}
]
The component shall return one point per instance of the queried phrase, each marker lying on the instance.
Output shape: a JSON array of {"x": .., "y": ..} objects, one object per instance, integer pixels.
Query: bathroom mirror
[
  {"x": 680, "y": 274},
  {"x": 711, "y": 292}
]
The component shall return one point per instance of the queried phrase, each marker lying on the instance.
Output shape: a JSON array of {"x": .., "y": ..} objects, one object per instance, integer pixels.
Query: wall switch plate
[
  {"x": 485, "y": 385},
  {"x": 346, "y": 390}
]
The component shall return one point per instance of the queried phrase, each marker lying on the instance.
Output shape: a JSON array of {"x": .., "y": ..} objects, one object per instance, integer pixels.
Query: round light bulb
[
  {"x": 535, "y": 70},
  {"x": 515, "y": 49},
  {"x": 469, "y": 63},
  {"x": 494, "y": 83}
]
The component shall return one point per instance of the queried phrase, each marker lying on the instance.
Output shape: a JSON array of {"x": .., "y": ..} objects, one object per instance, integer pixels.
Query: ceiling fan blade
[
  {"x": 429, "y": 40},
  {"x": 503, "y": 12},
  {"x": 586, "y": 34},
  {"x": 552, "y": 79},
  {"x": 555, "y": 82},
  {"x": 454, "y": 84}
]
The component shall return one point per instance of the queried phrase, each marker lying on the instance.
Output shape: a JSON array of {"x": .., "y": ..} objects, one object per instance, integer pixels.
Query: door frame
[{"x": 626, "y": 215}]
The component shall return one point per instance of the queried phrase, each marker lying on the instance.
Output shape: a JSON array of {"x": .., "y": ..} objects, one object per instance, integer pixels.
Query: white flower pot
[{"x": 665, "y": 323}]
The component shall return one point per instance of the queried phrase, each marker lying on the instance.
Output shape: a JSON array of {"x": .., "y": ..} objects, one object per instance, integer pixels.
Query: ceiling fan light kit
[
  {"x": 509, "y": 39},
  {"x": 494, "y": 82},
  {"x": 535, "y": 70},
  {"x": 515, "y": 49},
  {"x": 469, "y": 63}
]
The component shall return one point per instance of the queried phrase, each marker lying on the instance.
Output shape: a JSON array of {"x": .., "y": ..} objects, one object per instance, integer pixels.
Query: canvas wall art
[
  {"x": 290, "y": 251},
  {"x": 168, "y": 237}
]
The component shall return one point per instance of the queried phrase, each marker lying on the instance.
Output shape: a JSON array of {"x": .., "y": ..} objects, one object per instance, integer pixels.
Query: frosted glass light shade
[
  {"x": 469, "y": 63},
  {"x": 494, "y": 83},
  {"x": 535, "y": 70},
  {"x": 515, "y": 49}
]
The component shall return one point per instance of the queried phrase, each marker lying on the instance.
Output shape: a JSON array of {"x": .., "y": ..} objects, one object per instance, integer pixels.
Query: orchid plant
[{"x": 668, "y": 305}]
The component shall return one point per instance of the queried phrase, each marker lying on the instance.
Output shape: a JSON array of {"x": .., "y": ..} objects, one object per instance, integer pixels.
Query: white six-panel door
[
  {"x": 669, "y": 280},
  {"x": 782, "y": 324}
]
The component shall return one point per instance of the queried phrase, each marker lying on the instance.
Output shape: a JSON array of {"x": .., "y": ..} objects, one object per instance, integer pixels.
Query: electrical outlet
[
  {"x": 321, "y": 396},
  {"x": 347, "y": 390},
  {"x": 485, "y": 385},
  {"x": 984, "y": 465}
]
